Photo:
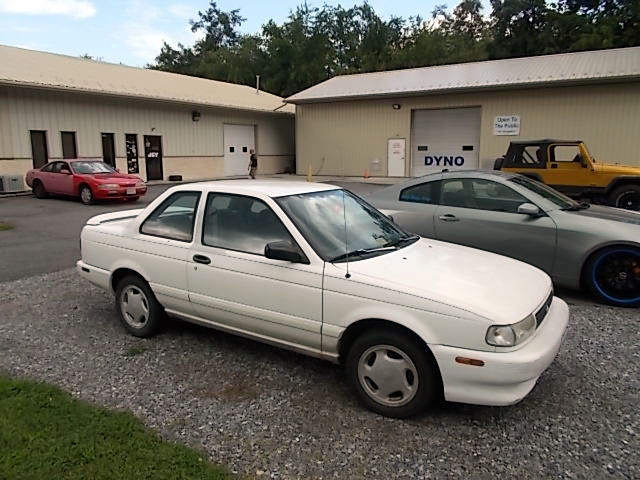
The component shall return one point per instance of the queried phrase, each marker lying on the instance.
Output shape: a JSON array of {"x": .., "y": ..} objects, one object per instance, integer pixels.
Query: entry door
[
  {"x": 108, "y": 149},
  {"x": 444, "y": 138},
  {"x": 39, "y": 148},
  {"x": 153, "y": 156},
  {"x": 395, "y": 157},
  {"x": 238, "y": 140}
]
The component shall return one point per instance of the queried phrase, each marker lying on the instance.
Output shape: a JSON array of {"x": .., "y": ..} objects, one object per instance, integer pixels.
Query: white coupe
[{"x": 313, "y": 268}]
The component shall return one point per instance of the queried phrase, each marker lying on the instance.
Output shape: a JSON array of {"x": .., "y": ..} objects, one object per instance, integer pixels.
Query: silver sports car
[{"x": 578, "y": 245}]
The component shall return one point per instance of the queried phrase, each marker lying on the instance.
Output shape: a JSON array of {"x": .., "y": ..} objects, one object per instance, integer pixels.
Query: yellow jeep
[{"x": 567, "y": 166}]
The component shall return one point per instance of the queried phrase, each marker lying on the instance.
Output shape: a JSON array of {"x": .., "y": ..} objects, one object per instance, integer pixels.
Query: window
[
  {"x": 481, "y": 194},
  {"x": 108, "y": 149},
  {"x": 39, "y": 151},
  {"x": 49, "y": 167},
  {"x": 91, "y": 166},
  {"x": 245, "y": 224},
  {"x": 566, "y": 153},
  {"x": 69, "y": 145},
  {"x": 423, "y": 193},
  {"x": 529, "y": 156},
  {"x": 131, "y": 146},
  {"x": 59, "y": 167},
  {"x": 174, "y": 218}
]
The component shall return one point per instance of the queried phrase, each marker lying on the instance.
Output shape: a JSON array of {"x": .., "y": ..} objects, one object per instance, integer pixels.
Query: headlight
[
  {"x": 140, "y": 185},
  {"x": 511, "y": 335},
  {"x": 109, "y": 186}
]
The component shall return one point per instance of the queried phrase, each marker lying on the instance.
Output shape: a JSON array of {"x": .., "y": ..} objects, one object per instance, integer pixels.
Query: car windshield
[
  {"x": 340, "y": 226},
  {"x": 91, "y": 167},
  {"x": 546, "y": 192}
]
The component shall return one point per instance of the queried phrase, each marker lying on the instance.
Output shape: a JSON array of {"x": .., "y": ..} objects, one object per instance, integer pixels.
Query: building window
[
  {"x": 39, "y": 149},
  {"x": 69, "y": 145},
  {"x": 131, "y": 145}
]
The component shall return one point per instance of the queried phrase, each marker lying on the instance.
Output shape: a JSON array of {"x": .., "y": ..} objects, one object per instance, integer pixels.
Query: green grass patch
[
  {"x": 5, "y": 226},
  {"x": 47, "y": 434},
  {"x": 134, "y": 351}
]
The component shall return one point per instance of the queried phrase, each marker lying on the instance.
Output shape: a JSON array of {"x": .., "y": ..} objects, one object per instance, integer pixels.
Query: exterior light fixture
[
  {"x": 195, "y": 116},
  {"x": 396, "y": 106}
]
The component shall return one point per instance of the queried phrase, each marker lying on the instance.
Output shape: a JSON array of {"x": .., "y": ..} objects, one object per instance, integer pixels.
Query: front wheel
[
  {"x": 140, "y": 312},
  {"x": 613, "y": 275},
  {"x": 626, "y": 196},
  {"x": 392, "y": 374},
  {"x": 86, "y": 195},
  {"x": 38, "y": 189}
]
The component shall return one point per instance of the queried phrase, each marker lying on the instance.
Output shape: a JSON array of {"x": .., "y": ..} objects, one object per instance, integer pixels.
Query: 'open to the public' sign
[{"x": 506, "y": 125}]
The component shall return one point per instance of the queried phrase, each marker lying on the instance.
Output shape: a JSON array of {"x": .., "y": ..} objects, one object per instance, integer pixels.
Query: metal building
[
  {"x": 414, "y": 121},
  {"x": 152, "y": 123}
]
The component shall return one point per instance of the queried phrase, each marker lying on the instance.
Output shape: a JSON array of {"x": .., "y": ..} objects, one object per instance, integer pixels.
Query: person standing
[{"x": 253, "y": 163}]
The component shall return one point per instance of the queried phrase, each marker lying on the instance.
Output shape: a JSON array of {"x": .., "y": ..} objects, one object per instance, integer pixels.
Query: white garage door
[
  {"x": 238, "y": 140},
  {"x": 447, "y": 138}
]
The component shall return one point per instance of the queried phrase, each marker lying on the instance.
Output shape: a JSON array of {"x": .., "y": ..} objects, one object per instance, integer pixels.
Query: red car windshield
[{"x": 91, "y": 167}]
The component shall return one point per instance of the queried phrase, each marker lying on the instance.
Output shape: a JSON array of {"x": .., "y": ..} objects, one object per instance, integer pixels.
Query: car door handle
[
  {"x": 201, "y": 259},
  {"x": 449, "y": 218}
]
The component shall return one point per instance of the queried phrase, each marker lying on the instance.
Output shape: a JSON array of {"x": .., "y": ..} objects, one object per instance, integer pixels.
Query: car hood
[
  {"x": 617, "y": 169},
  {"x": 609, "y": 213},
  {"x": 498, "y": 288}
]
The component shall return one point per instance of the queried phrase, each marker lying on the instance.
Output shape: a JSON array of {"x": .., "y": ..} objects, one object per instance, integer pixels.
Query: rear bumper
[
  {"x": 95, "y": 275},
  {"x": 506, "y": 377}
]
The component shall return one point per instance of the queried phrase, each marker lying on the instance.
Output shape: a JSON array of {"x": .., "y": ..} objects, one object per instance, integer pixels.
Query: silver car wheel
[
  {"x": 387, "y": 375},
  {"x": 86, "y": 195},
  {"x": 134, "y": 306}
]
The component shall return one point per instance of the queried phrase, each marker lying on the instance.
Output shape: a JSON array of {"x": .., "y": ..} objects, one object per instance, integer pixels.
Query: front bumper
[
  {"x": 506, "y": 377},
  {"x": 118, "y": 193}
]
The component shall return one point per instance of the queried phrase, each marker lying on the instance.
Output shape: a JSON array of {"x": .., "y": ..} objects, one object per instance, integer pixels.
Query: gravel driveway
[{"x": 271, "y": 413}]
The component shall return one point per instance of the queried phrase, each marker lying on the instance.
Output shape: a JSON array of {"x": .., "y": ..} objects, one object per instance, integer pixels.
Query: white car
[{"x": 313, "y": 268}]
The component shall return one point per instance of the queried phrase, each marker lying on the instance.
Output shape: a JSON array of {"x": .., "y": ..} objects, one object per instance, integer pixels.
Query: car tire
[
  {"x": 86, "y": 195},
  {"x": 38, "y": 189},
  {"x": 138, "y": 309},
  {"x": 407, "y": 364},
  {"x": 613, "y": 275},
  {"x": 626, "y": 196}
]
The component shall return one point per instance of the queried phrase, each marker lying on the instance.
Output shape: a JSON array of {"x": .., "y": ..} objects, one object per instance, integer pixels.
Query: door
[
  {"x": 483, "y": 214},
  {"x": 108, "y": 149},
  {"x": 567, "y": 167},
  {"x": 416, "y": 207},
  {"x": 395, "y": 157},
  {"x": 60, "y": 179},
  {"x": 39, "y": 149},
  {"x": 153, "y": 156},
  {"x": 232, "y": 283},
  {"x": 131, "y": 146},
  {"x": 69, "y": 145},
  {"x": 444, "y": 138},
  {"x": 238, "y": 141}
]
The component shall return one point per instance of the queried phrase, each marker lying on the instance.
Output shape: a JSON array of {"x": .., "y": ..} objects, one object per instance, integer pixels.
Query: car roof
[
  {"x": 543, "y": 141},
  {"x": 269, "y": 188}
]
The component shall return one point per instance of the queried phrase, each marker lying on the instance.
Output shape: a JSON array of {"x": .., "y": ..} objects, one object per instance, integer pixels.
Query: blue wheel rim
[{"x": 597, "y": 284}]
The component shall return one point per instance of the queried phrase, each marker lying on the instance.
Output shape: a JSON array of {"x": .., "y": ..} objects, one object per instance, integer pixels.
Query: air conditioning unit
[{"x": 11, "y": 184}]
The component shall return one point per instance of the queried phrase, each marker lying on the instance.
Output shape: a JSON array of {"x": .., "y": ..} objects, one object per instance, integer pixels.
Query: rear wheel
[
  {"x": 38, "y": 189},
  {"x": 86, "y": 195},
  {"x": 140, "y": 312},
  {"x": 626, "y": 196},
  {"x": 392, "y": 374},
  {"x": 613, "y": 275}
]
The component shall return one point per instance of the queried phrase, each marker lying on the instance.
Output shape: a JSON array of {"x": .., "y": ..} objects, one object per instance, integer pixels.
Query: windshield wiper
[
  {"x": 402, "y": 241},
  {"x": 575, "y": 208},
  {"x": 360, "y": 252}
]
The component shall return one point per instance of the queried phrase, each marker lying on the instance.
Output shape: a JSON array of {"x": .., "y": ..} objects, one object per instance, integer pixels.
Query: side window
[
  {"x": 423, "y": 193},
  {"x": 565, "y": 153},
  {"x": 174, "y": 218},
  {"x": 529, "y": 156},
  {"x": 49, "y": 167},
  {"x": 481, "y": 194},
  {"x": 244, "y": 224}
]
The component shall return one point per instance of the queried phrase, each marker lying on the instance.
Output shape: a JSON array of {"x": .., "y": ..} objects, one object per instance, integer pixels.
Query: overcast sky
[{"x": 132, "y": 31}]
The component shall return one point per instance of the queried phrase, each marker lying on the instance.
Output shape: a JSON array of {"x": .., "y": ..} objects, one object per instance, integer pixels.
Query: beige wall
[
  {"x": 344, "y": 138},
  {"x": 191, "y": 149}
]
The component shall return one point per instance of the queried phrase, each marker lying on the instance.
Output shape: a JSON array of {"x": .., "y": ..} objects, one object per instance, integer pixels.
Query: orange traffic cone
[{"x": 366, "y": 173}]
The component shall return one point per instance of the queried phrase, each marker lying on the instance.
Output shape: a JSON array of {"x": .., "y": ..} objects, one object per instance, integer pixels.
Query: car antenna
[{"x": 346, "y": 241}]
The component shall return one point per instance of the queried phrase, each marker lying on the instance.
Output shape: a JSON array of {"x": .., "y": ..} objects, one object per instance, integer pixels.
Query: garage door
[
  {"x": 238, "y": 140},
  {"x": 447, "y": 138}
]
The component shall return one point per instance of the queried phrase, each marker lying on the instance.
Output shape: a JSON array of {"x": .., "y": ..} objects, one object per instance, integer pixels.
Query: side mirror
[
  {"x": 529, "y": 209},
  {"x": 66, "y": 172},
  {"x": 117, "y": 170},
  {"x": 283, "y": 250}
]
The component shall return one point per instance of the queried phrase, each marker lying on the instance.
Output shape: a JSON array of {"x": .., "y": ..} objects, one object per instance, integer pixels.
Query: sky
[{"x": 132, "y": 31}]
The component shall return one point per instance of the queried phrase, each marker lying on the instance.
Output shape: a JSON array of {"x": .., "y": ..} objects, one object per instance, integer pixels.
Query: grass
[
  {"x": 47, "y": 434},
  {"x": 5, "y": 226},
  {"x": 134, "y": 351}
]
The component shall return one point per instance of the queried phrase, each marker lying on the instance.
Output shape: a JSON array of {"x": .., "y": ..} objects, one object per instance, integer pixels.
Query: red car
[{"x": 88, "y": 179}]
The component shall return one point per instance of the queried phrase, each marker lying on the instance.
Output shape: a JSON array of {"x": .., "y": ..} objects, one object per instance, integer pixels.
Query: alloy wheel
[{"x": 617, "y": 275}]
